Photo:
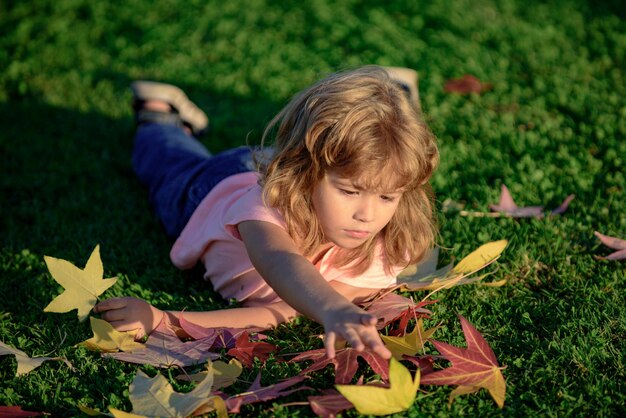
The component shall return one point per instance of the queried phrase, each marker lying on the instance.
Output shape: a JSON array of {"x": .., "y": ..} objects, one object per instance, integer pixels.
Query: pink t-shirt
[{"x": 211, "y": 236}]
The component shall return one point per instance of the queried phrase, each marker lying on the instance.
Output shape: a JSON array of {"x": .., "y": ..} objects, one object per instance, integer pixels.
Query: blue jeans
[{"x": 179, "y": 171}]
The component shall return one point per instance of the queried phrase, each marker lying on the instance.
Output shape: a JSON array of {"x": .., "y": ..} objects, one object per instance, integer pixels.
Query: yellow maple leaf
[
  {"x": 374, "y": 400},
  {"x": 25, "y": 363},
  {"x": 224, "y": 374},
  {"x": 480, "y": 257},
  {"x": 107, "y": 339},
  {"x": 410, "y": 344},
  {"x": 155, "y": 397},
  {"x": 82, "y": 287}
]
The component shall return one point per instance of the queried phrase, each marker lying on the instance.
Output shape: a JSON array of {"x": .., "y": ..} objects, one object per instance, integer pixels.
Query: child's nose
[{"x": 366, "y": 210}]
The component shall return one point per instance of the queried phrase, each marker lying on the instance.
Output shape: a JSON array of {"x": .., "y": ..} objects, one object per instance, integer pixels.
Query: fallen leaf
[
  {"x": 246, "y": 351},
  {"x": 614, "y": 243},
  {"x": 475, "y": 366},
  {"x": 257, "y": 393},
  {"x": 482, "y": 256},
  {"x": 450, "y": 276},
  {"x": 163, "y": 350},
  {"x": 508, "y": 206},
  {"x": 224, "y": 374},
  {"x": 409, "y": 344},
  {"x": 424, "y": 363},
  {"x": 345, "y": 363},
  {"x": 329, "y": 404},
  {"x": 224, "y": 337},
  {"x": 392, "y": 307},
  {"x": 374, "y": 400},
  {"x": 16, "y": 412},
  {"x": 155, "y": 397},
  {"x": 82, "y": 287},
  {"x": 466, "y": 84},
  {"x": 108, "y": 339},
  {"x": 26, "y": 364}
]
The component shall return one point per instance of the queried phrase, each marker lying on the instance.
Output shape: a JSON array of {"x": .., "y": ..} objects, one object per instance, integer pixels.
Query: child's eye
[
  {"x": 388, "y": 198},
  {"x": 349, "y": 192}
]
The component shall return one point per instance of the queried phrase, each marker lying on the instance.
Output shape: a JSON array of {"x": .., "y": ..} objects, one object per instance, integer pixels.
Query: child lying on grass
[{"x": 340, "y": 206}]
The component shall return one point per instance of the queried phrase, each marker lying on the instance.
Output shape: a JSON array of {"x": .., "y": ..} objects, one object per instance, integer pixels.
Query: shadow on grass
[{"x": 68, "y": 185}]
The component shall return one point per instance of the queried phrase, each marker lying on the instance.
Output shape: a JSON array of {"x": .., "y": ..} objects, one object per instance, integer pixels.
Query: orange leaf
[{"x": 475, "y": 366}]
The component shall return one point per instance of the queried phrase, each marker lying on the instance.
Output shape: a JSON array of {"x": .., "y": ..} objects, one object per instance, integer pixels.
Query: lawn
[{"x": 553, "y": 123}]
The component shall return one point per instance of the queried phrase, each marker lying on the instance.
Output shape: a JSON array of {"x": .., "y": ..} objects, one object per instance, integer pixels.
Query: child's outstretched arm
[{"x": 275, "y": 256}]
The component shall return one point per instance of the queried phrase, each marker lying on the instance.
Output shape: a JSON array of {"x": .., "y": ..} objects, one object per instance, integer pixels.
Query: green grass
[{"x": 553, "y": 124}]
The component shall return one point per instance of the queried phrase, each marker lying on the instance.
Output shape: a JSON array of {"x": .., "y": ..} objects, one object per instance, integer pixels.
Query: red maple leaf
[
  {"x": 466, "y": 84},
  {"x": 472, "y": 368},
  {"x": 507, "y": 206},
  {"x": 329, "y": 404},
  {"x": 224, "y": 337},
  {"x": 245, "y": 350},
  {"x": 393, "y": 307},
  {"x": 257, "y": 393},
  {"x": 17, "y": 411},
  {"x": 346, "y": 363}
]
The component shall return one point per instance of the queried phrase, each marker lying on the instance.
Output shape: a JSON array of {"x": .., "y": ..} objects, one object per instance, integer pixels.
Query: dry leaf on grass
[
  {"x": 452, "y": 276},
  {"x": 82, "y": 287},
  {"x": 472, "y": 368},
  {"x": 614, "y": 243},
  {"x": 163, "y": 350},
  {"x": 345, "y": 363},
  {"x": 376, "y": 400},
  {"x": 258, "y": 393},
  {"x": 155, "y": 397},
  {"x": 466, "y": 84},
  {"x": 409, "y": 344},
  {"x": 507, "y": 206},
  {"x": 26, "y": 364},
  {"x": 17, "y": 412},
  {"x": 107, "y": 339},
  {"x": 246, "y": 351}
]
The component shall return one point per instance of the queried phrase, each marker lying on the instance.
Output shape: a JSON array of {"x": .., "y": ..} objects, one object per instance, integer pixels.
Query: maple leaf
[
  {"x": 450, "y": 276},
  {"x": 246, "y": 350},
  {"x": 224, "y": 374},
  {"x": 474, "y": 366},
  {"x": 410, "y": 343},
  {"x": 224, "y": 337},
  {"x": 26, "y": 364},
  {"x": 155, "y": 397},
  {"x": 375, "y": 400},
  {"x": 82, "y": 287},
  {"x": 466, "y": 84},
  {"x": 345, "y": 362},
  {"x": 392, "y": 307},
  {"x": 16, "y": 412},
  {"x": 329, "y": 404},
  {"x": 508, "y": 207},
  {"x": 163, "y": 350},
  {"x": 614, "y": 243},
  {"x": 108, "y": 339},
  {"x": 258, "y": 393}
]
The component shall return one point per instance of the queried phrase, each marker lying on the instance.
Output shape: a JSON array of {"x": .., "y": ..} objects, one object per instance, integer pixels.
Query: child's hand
[
  {"x": 127, "y": 314},
  {"x": 357, "y": 328}
]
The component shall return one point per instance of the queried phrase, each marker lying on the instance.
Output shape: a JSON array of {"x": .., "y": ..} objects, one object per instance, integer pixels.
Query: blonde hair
[{"x": 361, "y": 125}]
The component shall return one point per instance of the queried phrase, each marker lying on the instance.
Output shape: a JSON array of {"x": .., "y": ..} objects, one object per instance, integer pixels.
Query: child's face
[{"x": 349, "y": 214}]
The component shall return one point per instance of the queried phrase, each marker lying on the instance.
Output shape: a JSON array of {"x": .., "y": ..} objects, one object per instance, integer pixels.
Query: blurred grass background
[{"x": 553, "y": 124}]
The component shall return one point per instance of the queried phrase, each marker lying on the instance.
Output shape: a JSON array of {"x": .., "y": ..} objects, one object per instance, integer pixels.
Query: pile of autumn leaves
[{"x": 393, "y": 390}]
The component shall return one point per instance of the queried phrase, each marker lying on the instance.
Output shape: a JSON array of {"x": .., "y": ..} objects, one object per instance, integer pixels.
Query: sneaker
[
  {"x": 190, "y": 114},
  {"x": 407, "y": 79}
]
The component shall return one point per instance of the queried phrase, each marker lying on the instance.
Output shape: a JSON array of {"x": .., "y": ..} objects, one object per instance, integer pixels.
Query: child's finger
[
  {"x": 368, "y": 319},
  {"x": 329, "y": 343},
  {"x": 106, "y": 305}
]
